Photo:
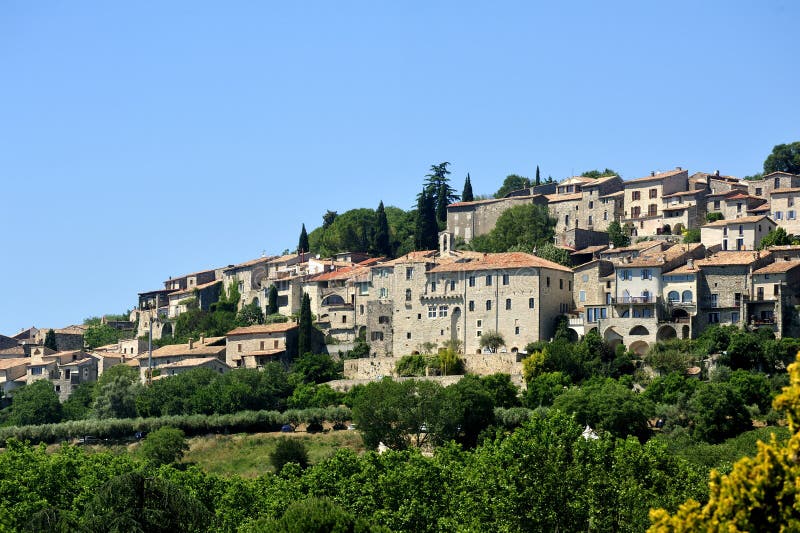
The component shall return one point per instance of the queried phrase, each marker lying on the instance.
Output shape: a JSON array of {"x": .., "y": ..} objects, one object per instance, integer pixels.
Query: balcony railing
[{"x": 651, "y": 299}]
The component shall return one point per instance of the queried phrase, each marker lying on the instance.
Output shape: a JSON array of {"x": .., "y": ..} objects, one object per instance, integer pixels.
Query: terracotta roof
[
  {"x": 778, "y": 172},
  {"x": 278, "y": 327},
  {"x": 582, "y": 179},
  {"x": 778, "y": 267},
  {"x": 191, "y": 274},
  {"x": 733, "y": 221},
  {"x": 635, "y": 247},
  {"x": 590, "y": 249},
  {"x": 658, "y": 176},
  {"x": 555, "y": 198},
  {"x": 684, "y": 193},
  {"x": 192, "y": 362},
  {"x": 763, "y": 207},
  {"x": 786, "y": 190},
  {"x": 785, "y": 247},
  {"x": 14, "y": 350},
  {"x": 72, "y": 330},
  {"x": 11, "y": 362},
  {"x": 411, "y": 257},
  {"x": 732, "y": 258},
  {"x": 250, "y": 263},
  {"x": 475, "y": 202},
  {"x": 683, "y": 269},
  {"x": 743, "y": 196},
  {"x": 172, "y": 350},
  {"x": 188, "y": 290},
  {"x": 598, "y": 181},
  {"x": 500, "y": 261},
  {"x": 724, "y": 193},
  {"x": 79, "y": 362},
  {"x": 614, "y": 194},
  {"x": 371, "y": 261},
  {"x": 341, "y": 274},
  {"x": 659, "y": 258}
]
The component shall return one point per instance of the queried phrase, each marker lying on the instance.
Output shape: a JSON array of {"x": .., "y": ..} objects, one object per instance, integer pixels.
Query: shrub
[
  {"x": 164, "y": 446},
  {"x": 288, "y": 450}
]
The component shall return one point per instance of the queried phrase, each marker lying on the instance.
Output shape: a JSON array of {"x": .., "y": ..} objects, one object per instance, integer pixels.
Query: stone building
[
  {"x": 586, "y": 203},
  {"x": 196, "y": 297},
  {"x": 716, "y": 183},
  {"x": 593, "y": 288},
  {"x": 339, "y": 299},
  {"x": 733, "y": 204},
  {"x": 12, "y": 374},
  {"x": 466, "y": 220},
  {"x": 784, "y": 204},
  {"x": 179, "y": 367},
  {"x": 770, "y": 182},
  {"x": 644, "y": 200},
  {"x": 205, "y": 347},
  {"x": 683, "y": 210},
  {"x": 736, "y": 234},
  {"x": 774, "y": 297},
  {"x": 256, "y": 346},
  {"x": 425, "y": 299}
]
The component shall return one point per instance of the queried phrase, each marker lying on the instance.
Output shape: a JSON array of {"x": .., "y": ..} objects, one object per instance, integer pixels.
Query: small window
[
  {"x": 433, "y": 286},
  {"x": 452, "y": 284},
  {"x": 516, "y": 330},
  {"x": 488, "y": 305},
  {"x": 547, "y": 280},
  {"x": 653, "y": 193},
  {"x": 409, "y": 273},
  {"x": 636, "y": 195},
  {"x": 443, "y": 310},
  {"x": 275, "y": 343},
  {"x": 471, "y": 305},
  {"x": 239, "y": 348},
  {"x": 376, "y": 336},
  {"x": 508, "y": 304},
  {"x": 408, "y": 295},
  {"x": 344, "y": 319},
  {"x": 261, "y": 346},
  {"x": 561, "y": 284},
  {"x": 479, "y": 323},
  {"x": 408, "y": 335},
  {"x": 489, "y": 280},
  {"x": 582, "y": 296},
  {"x": 531, "y": 302},
  {"x": 361, "y": 309},
  {"x": 472, "y": 281},
  {"x": 478, "y": 333},
  {"x": 505, "y": 279},
  {"x": 383, "y": 319},
  {"x": 431, "y": 311}
]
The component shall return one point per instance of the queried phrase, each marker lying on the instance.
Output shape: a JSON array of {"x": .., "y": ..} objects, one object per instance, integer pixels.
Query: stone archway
[
  {"x": 166, "y": 330},
  {"x": 666, "y": 333},
  {"x": 639, "y": 347},
  {"x": 638, "y": 331},
  {"x": 612, "y": 337}
]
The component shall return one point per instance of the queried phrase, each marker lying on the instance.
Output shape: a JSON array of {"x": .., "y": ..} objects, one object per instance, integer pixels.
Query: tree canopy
[
  {"x": 784, "y": 158},
  {"x": 466, "y": 195},
  {"x": 512, "y": 182},
  {"x": 594, "y": 174},
  {"x": 519, "y": 228}
]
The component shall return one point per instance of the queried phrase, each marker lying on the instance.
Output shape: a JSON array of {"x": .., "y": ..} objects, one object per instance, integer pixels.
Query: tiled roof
[
  {"x": 192, "y": 274},
  {"x": 614, "y": 194},
  {"x": 785, "y": 247},
  {"x": 733, "y": 221},
  {"x": 192, "y": 362},
  {"x": 411, "y": 257},
  {"x": 500, "y": 261},
  {"x": 554, "y": 198},
  {"x": 341, "y": 274},
  {"x": 278, "y": 327},
  {"x": 476, "y": 202},
  {"x": 14, "y": 350},
  {"x": 635, "y": 247},
  {"x": 765, "y": 207},
  {"x": 732, "y": 258},
  {"x": 778, "y": 267},
  {"x": 683, "y": 269},
  {"x": 659, "y": 258},
  {"x": 779, "y": 173},
  {"x": 189, "y": 290},
  {"x": 684, "y": 193},
  {"x": 11, "y": 362},
  {"x": 250, "y": 263},
  {"x": 172, "y": 350},
  {"x": 598, "y": 181},
  {"x": 371, "y": 261},
  {"x": 658, "y": 176},
  {"x": 590, "y": 249},
  {"x": 272, "y": 351},
  {"x": 786, "y": 190},
  {"x": 724, "y": 193},
  {"x": 79, "y": 362},
  {"x": 743, "y": 196}
]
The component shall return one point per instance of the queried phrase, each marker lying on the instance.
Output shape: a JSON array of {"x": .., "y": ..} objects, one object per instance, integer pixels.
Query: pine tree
[
  {"x": 538, "y": 180},
  {"x": 302, "y": 245},
  {"x": 50, "y": 340},
  {"x": 426, "y": 230},
  {"x": 272, "y": 300},
  {"x": 437, "y": 185},
  {"x": 381, "y": 243},
  {"x": 441, "y": 207},
  {"x": 305, "y": 333},
  {"x": 467, "y": 195}
]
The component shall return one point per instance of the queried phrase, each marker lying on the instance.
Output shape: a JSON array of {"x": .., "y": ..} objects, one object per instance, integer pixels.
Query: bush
[
  {"x": 411, "y": 365},
  {"x": 288, "y": 450},
  {"x": 164, "y": 446}
]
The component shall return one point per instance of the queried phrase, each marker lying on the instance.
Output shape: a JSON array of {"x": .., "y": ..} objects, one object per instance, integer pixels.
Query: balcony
[{"x": 650, "y": 299}]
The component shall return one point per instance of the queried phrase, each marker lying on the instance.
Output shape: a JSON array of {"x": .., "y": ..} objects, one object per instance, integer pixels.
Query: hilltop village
[{"x": 657, "y": 286}]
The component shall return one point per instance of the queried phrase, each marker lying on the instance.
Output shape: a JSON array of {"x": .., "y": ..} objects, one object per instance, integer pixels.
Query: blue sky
[{"x": 142, "y": 140}]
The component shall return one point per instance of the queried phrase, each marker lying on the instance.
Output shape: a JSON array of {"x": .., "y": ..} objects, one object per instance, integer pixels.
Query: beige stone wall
[
  {"x": 588, "y": 288},
  {"x": 481, "y": 364},
  {"x": 764, "y": 187},
  {"x": 788, "y": 205},
  {"x": 646, "y": 223},
  {"x": 471, "y": 220},
  {"x": 242, "y": 345},
  {"x": 567, "y": 214}
]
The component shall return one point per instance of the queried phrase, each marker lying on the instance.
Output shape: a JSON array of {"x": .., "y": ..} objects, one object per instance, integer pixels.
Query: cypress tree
[
  {"x": 50, "y": 340},
  {"x": 305, "y": 333},
  {"x": 538, "y": 178},
  {"x": 381, "y": 243},
  {"x": 302, "y": 245},
  {"x": 441, "y": 206},
  {"x": 272, "y": 300},
  {"x": 467, "y": 195},
  {"x": 427, "y": 229}
]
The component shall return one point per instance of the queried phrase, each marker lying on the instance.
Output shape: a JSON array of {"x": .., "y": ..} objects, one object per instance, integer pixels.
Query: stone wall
[{"x": 373, "y": 368}]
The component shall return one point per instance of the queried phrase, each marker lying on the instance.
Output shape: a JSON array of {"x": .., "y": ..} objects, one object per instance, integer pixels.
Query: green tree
[
  {"x": 288, "y": 450},
  {"x": 50, "y": 340},
  {"x": 492, "y": 340},
  {"x": 501, "y": 390},
  {"x": 79, "y": 404},
  {"x": 466, "y": 195},
  {"x": 594, "y": 174},
  {"x": 427, "y": 228},
  {"x": 316, "y": 368},
  {"x": 717, "y": 412},
  {"x": 302, "y": 243},
  {"x": 713, "y": 217},
  {"x": 328, "y": 218},
  {"x": 538, "y": 180},
  {"x": 313, "y": 515},
  {"x": 35, "y": 404},
  {"x": 691, "y": 235},
  {"x": 272, "y": 300},
  {"x": 553, "y": 253},
  {"x": 437, "y": 185},
  {"x": 164, "y": 446},
  {"x": 116, "y": 392},
  {"x": 744, "y": 351},
  {"x": 305, "y": 333},
  {"x": 512, "y": 183},
  {"x": 784, "y": 158},
  {"x": 250, "y": 315},
  {"x": 100, "y": 335},
  {"x": 472, "y": 409},
  {"x": 616, "y": 236},
  {"x": 522, "y": 227},
  {"x": 775, "y": 237},
  {"x": 382, "y": 245},
  {"x": 544, "y": 388}
]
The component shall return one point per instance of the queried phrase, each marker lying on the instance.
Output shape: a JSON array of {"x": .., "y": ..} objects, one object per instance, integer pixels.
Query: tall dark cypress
[
  {"x": 427, "y": 229},
  {"x": 467, "y": 195},
  {"x": 381, "y": 243},
  {"x": 302, "y": 245},
  {"x": 441, "y": 206},
  {"x": 305, "y": 332},
  {"x": 538, "y": 178}
]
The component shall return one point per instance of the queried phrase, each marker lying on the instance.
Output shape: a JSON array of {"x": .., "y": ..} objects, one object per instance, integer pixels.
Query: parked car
[
  {"x": 88, "y": 439},
  {"x": 287, "y": 428},
  {"x": 351, "y": 426}
]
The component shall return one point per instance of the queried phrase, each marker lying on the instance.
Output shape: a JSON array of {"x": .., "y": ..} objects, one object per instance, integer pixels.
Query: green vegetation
[
  {"x": 466, "y": 195},
  {"x": 164, "y": 446},
  {"x": 616, "y": 236},
  {"x": 288, "y": 450},
  {"x": 691, "y": 235},
  {"x": 553, "y": 253},
  {"x": 784, "y": 158},
  {"x": 302, "y": 243},
  {"x": 777, "y": 237},
  {"x": 50, "y": 340},
  {"x": 598, "y": 174},
  {"x": 512, "y": 183},
  {"x": 713, "y": 217},
  {"x": 520, "y": 228}
]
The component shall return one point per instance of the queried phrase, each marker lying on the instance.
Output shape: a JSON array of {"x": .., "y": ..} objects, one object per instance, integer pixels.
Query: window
[
  {"x": 508, "y": 303},
  {"x": 516, "y": 330},
  {"x": 409, "y": 272},
  {"x": 479, "y": 323},
  {"x": 433, "y": 286},
  {"x": 531, "y": 303},
  {"x": 716, "y": 205},
  {"x": 636, "y": 195},
  {"x": 471, "y": 305},
  {"x": 376, "y": 336},
  {"x": 646, "y": 274},
  {"x": 735, "y": 317},
  {"x": 652, "y": 210},
  {"x": 590, "y": 315},
  {"x": 790, "y": 201},
  {"x": 605, "y": 215},
  {"x": 713, "y": 318},
  {"x": 443, "y": 310},
  {"x": 653, "y": 193},
  {"x": 725, "y": 231},
  {"x": 452, "y": 284},
  {"x": 603, "y": 312},
  {"x": 488, "y": 305},
  {"x": 591, "y": 204},
  {"x": 548, "y": 280},
  {"x": 561, "y": 284},
  {"x": 740, "y": 244},
  {"x": 261, "y": 346},
  {"x": 582, "y": 296},
  {"x": 275, "y": 343},
  {"x": 673, "y": 297},
  {"x": 714, "y": 298},
  {"x": 738, "y": 207},
  {"x": 741, "y": 229},
  {"x": 431, "y": 311},
  {"x": 408, "y": 295},
  {"x": 566, "y": 220},
  {"x": 760, "y": 293},
  {"x": 478, "y": 333},
  {"x": 590, "y": 220},
  {"x": 626, "y": 275},
  {"x": 361, "y": 309},
  {"x": 758, "y": 191},
  {"x": 686, "y": 296},
  {"x": 472, "y": 281},
  {"x": 775, "y": 289},
  {"x": 505, "y": 279},
  {"x": 383, "y": 293},
  {"x": 790, "y": 215},
  {"x": 585, "y": 278},
  {"x": 777, "y": 183},
  {"x": 489, "y": 280},
  {"x": 408, "y": 335},
  {"x": 239, "y": 347},
  {"x": 383, "y": 319},
  {"x": 778, "y": 215}
]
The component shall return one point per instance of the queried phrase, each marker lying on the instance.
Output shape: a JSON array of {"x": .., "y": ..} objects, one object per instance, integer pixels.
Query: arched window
[
  {"x": 686, "y": 297},
  {"x": 673, "y": 296}
]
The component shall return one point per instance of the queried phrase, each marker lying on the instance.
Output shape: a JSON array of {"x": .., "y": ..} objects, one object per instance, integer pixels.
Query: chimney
[
  {"x": 652, "y": 172},
  {"x": 690, "y": 263},
  {"x": 191, "y": 344},
  {"x": 716, "y": 173},
  {"x": 202, "y": 339},
  {"x": 678, "y": 168}
]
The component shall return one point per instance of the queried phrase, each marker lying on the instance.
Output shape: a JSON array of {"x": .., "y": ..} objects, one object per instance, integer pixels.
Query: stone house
[
  {"x": 716, "y": 183},
  {"x": 68, "y": 338},
  {"x": 256, "y": 346},
  {"x": 644, "y": 200},
  {"x": 11, "y": 371},
  {"x": 338, "y": 300},
  {"x": 154, "y": 305},
  {"x": 784, "y": 204},
  {"x": 724, "y": 285},
  {"x": 205, "y": 347},
  {"x": 733, "y": 204},
  {"x": 774, "y": 180},
  {"x": 71, "y": 374},
  {"x": 425, "y": 298},
  {"x": 190, "y": 281},
  {"x": 683, "y": 210},
  {"x": 737, "y": 234},
  {"x": 467, "y": 220},
  {"x": 197, "y": 296},
  {"x": 593, "y": 288},
  {"x": 774, "y": 296},
  {"x": 179, "y": 367}
]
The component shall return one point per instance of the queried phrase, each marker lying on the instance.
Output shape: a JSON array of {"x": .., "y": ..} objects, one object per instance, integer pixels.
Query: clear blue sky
[{"x": 140, "y": 140}]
